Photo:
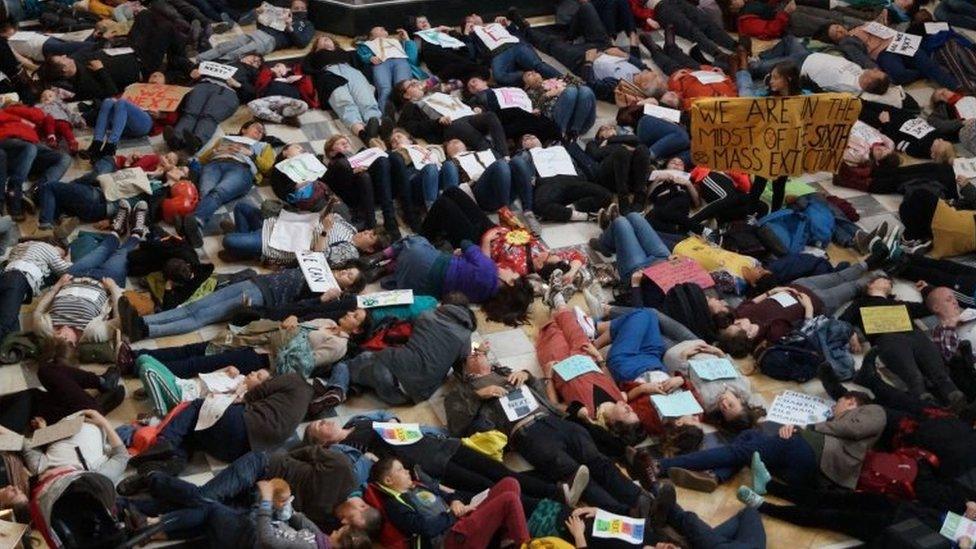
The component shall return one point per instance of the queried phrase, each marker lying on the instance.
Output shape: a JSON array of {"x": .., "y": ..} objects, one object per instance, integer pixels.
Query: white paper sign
[
  {"x": 967, "y": 315},
  {"x": 273, "y": 16},
  {"x": 293, "y": 232},
  {"x": 958, "y": 526},
  {"x": 11, "y": 534},
  {"x": 386, "y": 48},
  {"x": 966, "y": 107},
  {"x": 220, "y": 382},
  {"x": 438, "y": 38},
  {"x": 475, "y": 164},
  {"x": 398, "y": 434},
  {"x": 712, "y": 368},
  {"x": 708, "y": 77},
  {"x": 964, "y": 167},
  {"x": 784, "y": 299},
  {"x": 494, "y": 35},
  {"x": 905, "y": 44},
  {"x": 318, "y": 274},
  {"x": 422, "y": 156},
  {"x": 118, "y": 51},
  {"x": 879, "y": 30},
  {"x": 519, "y": 403},
  {"x": 935, "y": 27},
  {"x": 213, "y": 409},
  {"x": 366, "y": 157},
  {"x": 609, "y": 525},
  {"x": 793, "y": 408},
  {"x": 302, "y": 168},
  {"x": 216, "y": 70},
  {"x": 241, "y": 139},
  {"x": 479, "y": 498},
  {"x": 676, "y": 404},
  {"x": 125, "y": 183},
  {"x": 513, "y": 98},
  {"x": 917, "y": 128},
  {"x": 385, "y": 299},
  {"x": 657, "y": 111},
  {"x": 82, "y": 291},
  {"x": 447, "y": 105},
  {"x": 552, "y": 161}
]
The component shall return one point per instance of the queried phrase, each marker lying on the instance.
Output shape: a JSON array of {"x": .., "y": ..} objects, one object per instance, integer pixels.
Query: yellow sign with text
[{"x": 885, "y": 319}]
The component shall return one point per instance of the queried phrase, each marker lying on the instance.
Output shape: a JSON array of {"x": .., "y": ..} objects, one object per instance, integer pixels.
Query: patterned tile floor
[{"x": 511, "y": 347}]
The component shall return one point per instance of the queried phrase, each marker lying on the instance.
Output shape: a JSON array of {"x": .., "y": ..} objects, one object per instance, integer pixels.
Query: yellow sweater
[{"x": 953, "y": 231}]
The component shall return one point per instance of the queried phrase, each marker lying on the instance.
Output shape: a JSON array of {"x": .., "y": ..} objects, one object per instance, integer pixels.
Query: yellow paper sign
[
  {"x": 885, "y": 319},
  {"x": 773, "y": 136}
]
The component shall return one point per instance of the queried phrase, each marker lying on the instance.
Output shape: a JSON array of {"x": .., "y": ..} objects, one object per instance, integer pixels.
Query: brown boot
[{"x": 700, "y": 481}]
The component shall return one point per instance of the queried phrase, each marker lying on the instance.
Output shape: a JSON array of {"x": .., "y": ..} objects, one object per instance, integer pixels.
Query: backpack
[
  {"x": 891, "y": 473},
  {"x": 390, "y": 332},
  {"x": 790, "y": 227},
  {"x": 820, "y": 220},
  {"x": 793, "y": 358},
  {"x": 742, "y": 237}
]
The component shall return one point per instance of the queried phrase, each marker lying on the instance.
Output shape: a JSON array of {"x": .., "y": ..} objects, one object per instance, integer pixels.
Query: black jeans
[
  {"x": 355, "y": 189},
  {"x": 190, "y": 360},
  {"x": 557, "y": 448},
  {"x": 473, "y": 131},
  {"x": 455, "y": 215},
  {"x": 914, "y": 358},
  {"x": 893, "y": 181},
  {"x": 472, "y": 471},
  {"x": 624, "y": 170},
  {"x": 959, "y": 278},
  {"x": 554, "y": 195},
  {"x": 65, "y": 392}
]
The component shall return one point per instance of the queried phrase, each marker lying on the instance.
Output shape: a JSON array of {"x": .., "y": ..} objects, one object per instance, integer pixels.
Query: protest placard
[
  {"x": 551, "y": 161},
  {"x": 494, "y": 36},
  {"x": 302, "y": 168},
  {"x": 957, "y": 526},
  {"x": 905, "y": 44},
  {"x": 124, "y": 183},
  {"x": 293, "y": 232},
  {"x": 366, "y": 157},
  {"x": 793, "y": 408},
  {"x": 398, "y": 434},
  {"x": 879, "y": 30},
  {"x": 964, "y": 167},
  {"x": 385, "y": 299},
  {"x": 966, "y": 107},
  {"x": 216, "y": 70},
  {"x": 664, "y": 113},
  {"x": 475, "y": 163},
  {"x": 318, "y": 274},
  {"x": 609, "y": 525},
  {"x": 113, "y": 52},
  {"x": 212, "y": 409},
  {"x": 422, "y": 156},
  {"x": 917, "y": 128},
  {"x": 676, "y": 404},
  {"x": 513, "y": 98},
  {"x": 447, "y": 105},
  {"x": 155, "y": 97},
  {"x": 670, "y": 273},
  {"x": 273, "y": 16},
  {"x": 438, "y": 38},
  {"x": 386, "y": 48},
  {"x": 935, "y": 27},
  {"x": 15, "y": 378},
  {"x": 885, "y": 319},
  {"x": 518, "y": 403},
  {"x": 574, "y": 366},
  {"x": 11, "y": 534},
  {"x": 785, "y": 299},
  {"x": 710, "y": 369},
  {"x": 67, "y": 427},
  {"x": 219, "y": 381},
  {"x": 773, "y": 136},
  {"x": 11, "y": 441},
  {"x": 709, "y": 77}
]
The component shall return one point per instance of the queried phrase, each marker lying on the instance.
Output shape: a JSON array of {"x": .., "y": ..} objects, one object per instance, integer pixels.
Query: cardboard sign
[
  {"x": 966, "y": 107},
  {"x": 957, "y": 526},
  {"x": 670, "y": 273},
  {"x": 386, "y": 48},
  {"x": 220, "y": 382},
  {"x": 964, "y": 167},
  {"x": 447, "y": 105},
  {"x": 366, "y": 157},
  {"x": 155, "y": 97},
  {"x": 11, "y": 534},
  {"x": 917, "y": 128},
  {"x": 398, "y": 434},
  {"x": 885, "y": 319},
  {"x": 709, "y": 77},
  {"x": 494, "y": 36},
  {"x": 519, "y": 403},
  {"x": 475, "y": 164},
  {"x": 773, "y": 136},
  {"x": 905, "y": 44},
  {"x": 710, "y": 369},
  {"x": 318, "y": 274},
  {"x": 664, "y": 113},
  {"x": 293, "y": 232},
  {"x": 438, "y": 38},
  {"x": 302, "y": 168},
  {"x": 879, "y": 30},
  {"x": 552, "y": 161},
  {"x": 422, "y": 156},
  {"x": 125, "y": 183},
  {"x": 676, "y": 404},
  {"x": 574, "y": 367},
  {"x": 66, "y": 428},
  {"x": 272, "y": 16},
  {"x": 216, "y": 70},
  {"x": 513, "y": 98},
  {"x": 11, "y": 441},
  {"x": 385, "y": 299},
  {"x": 213, "y": 408},
  {"x": 793, "y": 408},
  {"x": 609, "y": 525},
  {"x": 935, "y": 27}
]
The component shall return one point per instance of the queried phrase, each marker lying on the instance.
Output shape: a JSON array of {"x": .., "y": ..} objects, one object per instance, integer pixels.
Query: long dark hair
[
  {"x": 510, "y": 305},
  {"x": 791, "y": 72}
]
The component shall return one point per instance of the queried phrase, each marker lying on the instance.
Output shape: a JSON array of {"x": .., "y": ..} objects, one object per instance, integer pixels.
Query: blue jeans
[
  {"x": 14, "y": 289},
  {"x": 220, "y": 182},
  {"x": 791, "y": 459},
  {"x": 196, "y": 515},
  {"x": 108, "y": 260},
  {"x": 961, "y": 12},
  {"x": 635, "y": 243},
  {"x": 126, "y": 120},
  {"x": 428, "y": 180},
  {"x": 637, "y": 345},
  {"x": 387, "y": 74},
  {"x": 49, "y": 164},
  {"x": 790, "y": 48},
  {"x": 84, "y": 201},
  {"x": 361, "y": 465},
  {"x": 508, "y": 65},
  {"x": 225, "y": 440},
  {"x": 191, "y": 360},
  {"x": 523, "y": 173},
  {"x": 237, "y": 478},
  {"x": 664, "y": 139},
  {"x": 55, "y": 46},
  {"x": 449, "y": 177},
  {"x": 743, "y": 530},
  {"x": 904, "y": 70},
  {"x": 575, "y": 110},
  {"x": 213, "y": 308},
  {"x": 494, "y": 188},
  {"x": 744, "y": 83},
  {"x": 245, "y": 242},
  {"x": 354, "y": 102},
  {"x": 16, "y": 158}
]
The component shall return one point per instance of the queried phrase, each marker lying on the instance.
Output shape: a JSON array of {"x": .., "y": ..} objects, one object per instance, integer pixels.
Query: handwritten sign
[
  {"x": 611, "y": 526},
  {"x": 793, "y": 408},
  {"x": 366, "y": 157},
  {"x": 905, "y": 44},
  {"x": 670, "y": 273},
  {"x": 676, "y": 404},
  {"x": 966, "y": 107},
  {"x": 67, "y": 427},
  {"x": 879, "y": 30},
  {"x": 216, "y": 70},
  {"x": 302, "y": 168},
  {"x": 917, "y": 128},
  {"x": 475, "y": 163},
  {"x": 213, "y": 408},
  {"x": 398, "y": 434},
  {"x": 272, "y": 16},
  {"x": 318, "y": 274},
  {"x": 773, "y": 136},
  {"x": 710, "y": 369},
  {"x": 15, "y": 378},
  {"x": 935, "y": 27},
  {"x": 155, "y": 97},
  {"x": 385, "y": 299},
  {"x": 113, "y": 52},
  {"x": 386, "y": 48},
  {"x": 518, "y": 403},
  {"x": 220, "y": 382},
  {"x": 447, "y": 105},
  {"x": 784, "y": 299},
  {"x": 422, "y": 156},
  {"x": 493, "y": 36},
  {"x": 293, "y": 232},
  {"x": 125, "y": 183},
  {"x": 957, "y": 526},
  {"x": 438, "y": 38},
  {"x": 885, "y": 319},
  {"x": 552, "y": 161},
  {"x": 513, "y": 98},
  {"x": 574, "y": 366},
  {"x": 664, "y": 113},
  {"x": 964, "y": 167}
]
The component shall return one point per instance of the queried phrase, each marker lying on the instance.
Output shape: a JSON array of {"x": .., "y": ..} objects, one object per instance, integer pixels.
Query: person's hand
[
  {"x": 884, "y": 117},
  {"x": 584, "y": 512},
  {"x": 330, "y": 294},
  {"x": 970, "y": 510},
  {"x": 375, "y": 60},
  {"x": 591, "y": 350},
  {"x": 616, "y": 52},
  {"x": 576, "y": 528},
  {"x": 95, "y": 418},
  {"x": 652, "y": 24},
  {"x": 653, "y": 388},
  {"x": 502, "y": 20},
  {"x": 65, "y": 278},
  {"x": 920, "y": 285},
  {"x": 233, "y": 83},
  {"x": 476, "y": 110},
  {"x": 458, "y": 509},
  {"x": 790, "y": 7},
  {"x": 787, "y": 431},
  {"x": 444, "y": 120},
  {"x": 402, "y": 33},
  {"x": 457, "y": 251},
  {"x": 855, "y": 344},
  {"x": 109, "y": 283},
  {"x": 290, "y": 323},
  {"x": 592, "y": 54},
  {"x": 232, "y": 371},
  {"x": 491, "y": 391},
  {"x": 194, "y": 74},
  {"x": 52, "y": 141},
  {"x": 518, "y": 378},
  {"x": 635, "y": 279},
  {"x": 359, "y": 169},
  {"x": 38, "y": 423},
  {"x": 443, "y": 28},
  {"x": 266, "y": 490},
  {"x": 673, "y": 383},
  {"x": 96, "y": 65}
]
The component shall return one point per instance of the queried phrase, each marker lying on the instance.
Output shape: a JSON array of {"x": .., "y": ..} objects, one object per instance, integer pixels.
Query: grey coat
[{"x": 847, "y": 439}]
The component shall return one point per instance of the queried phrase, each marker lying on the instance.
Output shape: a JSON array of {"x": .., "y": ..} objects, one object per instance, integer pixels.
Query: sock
[
  {"x": 593, "y": 304},
  {"x": 760, "y": 475},
  {"x": 749, "y": 497}
]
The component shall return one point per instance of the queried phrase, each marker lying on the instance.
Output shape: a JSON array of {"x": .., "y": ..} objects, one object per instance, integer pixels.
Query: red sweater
[
  {"x": 306, "y": 88},
  {"x": 641, "y": 13},
  {"x": 26, "y": 123},
  {"x": 764, "y": 29}
]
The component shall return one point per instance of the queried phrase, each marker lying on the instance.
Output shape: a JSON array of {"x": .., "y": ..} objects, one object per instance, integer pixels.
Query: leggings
[
  {"x": 456, "y": 216},
  {"x": 66, "y": 392},
  {"x": 759, "y": 187},
  {"x": 836, "y": 288},
  {"x": 625, "y": 171},
  {"x": 725, "y": 202},
  {"x": 472, "y": 471},
  {"x": 893, "y": 181},
  {"x": 553, "y": 197},
  {"x": 473, "y": 129},
  {"x": 917, "y": 362}
]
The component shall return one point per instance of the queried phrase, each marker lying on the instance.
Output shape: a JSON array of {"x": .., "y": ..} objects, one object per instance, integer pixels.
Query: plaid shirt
[{"x": 947, "y": 340}]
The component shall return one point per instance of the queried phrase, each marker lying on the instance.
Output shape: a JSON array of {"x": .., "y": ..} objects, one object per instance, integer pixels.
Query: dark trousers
[
  {"x": 725, "y": 201},
  {"x": 554, "y": 195},
  {"x": 379, "y": 173},
  {"x": 196, "y": 515},
  {"x": 691, "y": 23},
  {"x": 306, "y": 309},
  {"x": 914, "y": 358},
  {"x": 557, "y": 448},
  {"x": 474, "y": 131},
  {"x": 357, "y": 191},
  {"x": 237, "y": 480},
  {"x": 204, "y": 108},
  {"x": 892, "y": 181},
  {"x": 472, "y": 471},
  {"x": 624, "y": 170},
  {"x": 457, "y": 217},
  {"x": 960, "y": 278},
  {"x": 226, "y": 440},
  {"x": 744, "y": 530},
  {"x": 14, "y": 292},
  {"x": 66, "y": 392},
  {"x": 187, "y": 361}
]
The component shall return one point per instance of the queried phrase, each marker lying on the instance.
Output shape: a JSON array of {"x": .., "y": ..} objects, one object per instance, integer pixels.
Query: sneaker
[
  {"x": 645, "y": 469},
  {"x": 914, "y": 247},
  {"x": 879, "y": 254},
  {"x": 120, "y": 221},
  {"x": 192, "y": 231},
  {"x": 603, "y": 219},
  {"x": 573, "y": 491},
  {"x": 133, "y": 326},
  {"x": 324, "y": 398},
  {"x": 593, "y": 304},
  {"x": 65, "y": 227},
  {"x": 760, "y": 474},
  {"x": 160, "y": 451},
  {"x": 110, "y": 379},
  {"x": 892, "y": 238},
  {"x": 138, "y": 220},
  {"x": 292, "y": 121},
  {"x": 554, "y": 288},
  {"x": 221, "y": 28},
  {"x": 699, "y": 481},
  {"x": 174, "y": 142},
  {"x": 227, "y": 226},
  {"x": 750, "y": 498}
]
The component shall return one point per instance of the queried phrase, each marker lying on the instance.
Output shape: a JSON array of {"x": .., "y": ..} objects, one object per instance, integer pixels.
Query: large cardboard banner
[
  {"x": 773, "y": 136},
  {"x": 155, "y": 97}
]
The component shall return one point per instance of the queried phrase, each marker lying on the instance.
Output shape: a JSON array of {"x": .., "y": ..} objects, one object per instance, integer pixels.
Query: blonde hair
[
  {"x": 944, "y": 154},
  {"x": 280, "y": 488}
]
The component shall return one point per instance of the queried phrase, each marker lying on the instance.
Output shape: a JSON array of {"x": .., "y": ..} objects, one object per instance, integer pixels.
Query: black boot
[
  {"x": 93, "y": 152},
  {"x": 829, "y": 380}
]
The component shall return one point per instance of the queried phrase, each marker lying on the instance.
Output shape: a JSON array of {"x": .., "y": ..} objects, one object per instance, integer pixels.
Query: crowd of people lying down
[{"x": 452, "y": 132}]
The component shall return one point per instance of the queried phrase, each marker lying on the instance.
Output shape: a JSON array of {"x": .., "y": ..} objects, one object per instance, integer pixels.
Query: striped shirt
[
  {"x": 273, "y": 255},
  {"x": 78, "y": 302},
  {"x": 37, "y": 261}
]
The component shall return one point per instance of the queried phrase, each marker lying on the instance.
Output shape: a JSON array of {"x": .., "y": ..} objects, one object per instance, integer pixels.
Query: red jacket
[
  {"x": 690, "y": 88},
  {"x": 306, "y": 89},
  {"x": 641, "y": 13},
  {"x": 27, "y": 123},
  {"x": 764, "y": 29}
]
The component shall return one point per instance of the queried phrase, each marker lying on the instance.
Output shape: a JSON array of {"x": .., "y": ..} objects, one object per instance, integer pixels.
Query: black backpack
[{"x": 793, "y": 358}]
